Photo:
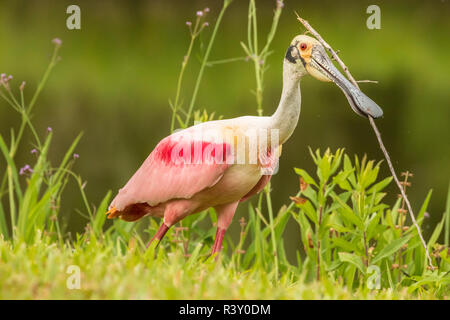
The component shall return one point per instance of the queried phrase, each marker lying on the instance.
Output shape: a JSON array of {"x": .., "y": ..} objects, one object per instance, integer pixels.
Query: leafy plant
[{"x": 347, "y": 229}]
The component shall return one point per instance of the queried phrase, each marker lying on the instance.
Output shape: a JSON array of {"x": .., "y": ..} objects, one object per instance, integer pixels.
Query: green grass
[
  {"x": 38, "y": 271},
  {"x": 353, "y": 244}
]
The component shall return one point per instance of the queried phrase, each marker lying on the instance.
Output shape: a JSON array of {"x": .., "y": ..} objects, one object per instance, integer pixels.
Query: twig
[
  {"x": 375, "y": 129},
  {"x": 367, "y": 81},
  {"x": 226, "y": 3}
]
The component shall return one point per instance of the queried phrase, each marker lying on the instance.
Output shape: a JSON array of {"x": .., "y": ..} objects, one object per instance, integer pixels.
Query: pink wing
[{"x": 179, "y": 167}]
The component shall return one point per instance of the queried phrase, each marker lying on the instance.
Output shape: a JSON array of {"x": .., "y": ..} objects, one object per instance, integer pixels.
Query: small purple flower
[
  {"x": 5, "y": 79},
  {"x": 188, "y": 23},
  {"x": 206, "y": 24},
  {"x": 26, "y": 169},
  {"x": 57, "y": 41},
  {"x": 280, "y": 4},
  {"x": 76, "y": 155},
  {"x": 206, "y": 10},
  {"x": 33, "y": 151},
  {"x": 199, "y": 13},
  {"x": 49, "y": 129},
  {"x": 22, "y": 86}
]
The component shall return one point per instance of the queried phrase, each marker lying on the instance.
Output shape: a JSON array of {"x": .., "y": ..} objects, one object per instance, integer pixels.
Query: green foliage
[
  {"x": 348, "y": 233},
  {"x": 347, "y": 229}
]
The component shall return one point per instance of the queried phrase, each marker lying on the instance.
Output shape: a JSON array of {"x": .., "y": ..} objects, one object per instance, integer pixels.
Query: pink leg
[
  {"x": 159, "y": 234},
  {"x": 173, "y": 212},
  {"x": 217, "y": 247},
  {"x": 225, "y": 215}
]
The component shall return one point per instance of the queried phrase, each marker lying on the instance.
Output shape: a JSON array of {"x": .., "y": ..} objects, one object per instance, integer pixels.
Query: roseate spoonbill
[{"x": 198, "y": 167}]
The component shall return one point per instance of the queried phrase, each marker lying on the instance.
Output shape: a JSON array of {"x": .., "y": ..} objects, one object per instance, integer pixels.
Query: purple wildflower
[
  {"x": 199, "y": 13},
  {"x": 206, "y": 10},
  {"x": 57, "y": 41},
  {"x": 206, "y": 24},
  {"x": 26, "y": 169},
  {"x": 76, "y": 155},
  {"x": 22, "y": 86},
  {"x": 33, "y": 151},
  {"x": 49, "y": 129},
  {"x": 188, "y": 23},
  {"x": 5, "y": 79}
]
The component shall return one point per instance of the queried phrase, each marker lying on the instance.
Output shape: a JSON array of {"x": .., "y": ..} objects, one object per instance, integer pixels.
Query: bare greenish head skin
[{"x": 308, "y": 54}]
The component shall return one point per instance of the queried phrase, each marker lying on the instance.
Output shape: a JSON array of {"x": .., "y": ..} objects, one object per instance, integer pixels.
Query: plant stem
[
  {"x": 12, "y": 205},
  {"x": 251, "y": 49},
  {"x": 226, "y": 3},
  {"x": 26, "y": 112},
  {"x": 366, "y": 262},
  {"x": 272, "y": 228},
  {"x": 318, "y": 242},
  {"x": 44, "y": 78},
  {"x": 180, "y": 77},
  {"x": 318, "y": 261},
  {"x": 408, "y": 204}
]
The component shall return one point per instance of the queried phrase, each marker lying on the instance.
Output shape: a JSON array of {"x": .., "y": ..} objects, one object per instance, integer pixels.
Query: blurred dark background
[{"x": 118, "y": 72}]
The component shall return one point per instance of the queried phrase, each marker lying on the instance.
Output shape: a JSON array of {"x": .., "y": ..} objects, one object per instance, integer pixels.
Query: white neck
[{"x": 286, "y": 116}]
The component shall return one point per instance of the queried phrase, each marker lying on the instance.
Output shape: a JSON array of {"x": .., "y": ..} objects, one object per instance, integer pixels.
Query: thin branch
[
  {"x": 377, "y": 133},
  {"x": 367, "y": 81}
]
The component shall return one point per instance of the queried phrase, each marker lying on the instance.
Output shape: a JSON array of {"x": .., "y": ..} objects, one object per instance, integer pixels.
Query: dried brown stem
[{"x": 375, "y": 129}]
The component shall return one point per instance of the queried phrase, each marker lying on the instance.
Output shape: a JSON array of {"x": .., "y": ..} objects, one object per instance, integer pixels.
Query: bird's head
[{"x": 308, "y": 56}]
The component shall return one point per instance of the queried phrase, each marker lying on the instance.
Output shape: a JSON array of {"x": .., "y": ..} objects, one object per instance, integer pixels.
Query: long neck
[{"x": 286, "y": 116}]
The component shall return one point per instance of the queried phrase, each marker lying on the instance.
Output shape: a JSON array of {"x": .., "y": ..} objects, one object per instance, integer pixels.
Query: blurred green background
[{"x": 118, "y": 72}]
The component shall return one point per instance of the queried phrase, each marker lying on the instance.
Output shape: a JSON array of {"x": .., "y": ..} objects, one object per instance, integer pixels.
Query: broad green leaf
[
  {"x": 373, "y": 222},
  {"x": 390, "y": 249},
  {"x": 423, "y": 208},
  {"x": 348, "y": 214},
  {"x": 353, "y": 259},
  {"x": 308, "y": 179},
  {"x": 100, "y": 216},
  {"x": 436, "y": 233},
  {"x": 3, "y": 225},
  {"x": 349, "y": 167},
  {"x": 309, "y": 211},
  {"x": 380, "y": 185},
  {"x": 11, "y": 164},
  {"x": 324, "y": 168},
  {"x": 344, "y": 244}
]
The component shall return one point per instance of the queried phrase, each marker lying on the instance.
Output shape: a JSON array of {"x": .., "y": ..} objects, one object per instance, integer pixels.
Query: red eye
[{"x": 303, "y": 46}]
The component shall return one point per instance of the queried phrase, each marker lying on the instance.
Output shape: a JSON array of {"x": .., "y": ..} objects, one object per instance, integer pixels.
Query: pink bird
[{"x": 222, "y": 163}]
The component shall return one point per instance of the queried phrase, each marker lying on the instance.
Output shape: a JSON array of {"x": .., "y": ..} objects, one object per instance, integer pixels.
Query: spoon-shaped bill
[{"x": 360, "y": 103}]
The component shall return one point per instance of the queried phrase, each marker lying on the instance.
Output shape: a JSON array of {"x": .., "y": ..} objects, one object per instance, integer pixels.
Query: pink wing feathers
[{"x": 179, "y": 167}]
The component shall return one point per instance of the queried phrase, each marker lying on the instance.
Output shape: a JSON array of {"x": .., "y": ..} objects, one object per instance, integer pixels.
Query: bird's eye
[{"x": 303, "y": 46}]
